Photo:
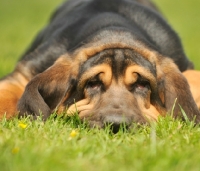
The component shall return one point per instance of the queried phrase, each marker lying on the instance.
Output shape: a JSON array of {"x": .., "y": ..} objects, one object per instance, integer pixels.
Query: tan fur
[
  {"x": 130, "y": 76},
  {"x": 193, "y": 78},
  {"x": 10, "y": 92},
  {"x": 105, "y": 74},
  {"x": 150, "y": 112},
  {"x": 113, "y": 40}
]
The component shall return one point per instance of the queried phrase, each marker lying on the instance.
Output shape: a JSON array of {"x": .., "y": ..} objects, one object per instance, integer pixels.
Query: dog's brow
[
  {"x": 137, "y": 58},
  {"x": 104, "y": 69},
  {"x": 128, "y": 78}
]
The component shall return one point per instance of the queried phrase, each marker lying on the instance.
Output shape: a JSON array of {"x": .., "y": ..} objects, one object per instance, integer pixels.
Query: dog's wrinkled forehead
[{"x": 118, "y": 60}]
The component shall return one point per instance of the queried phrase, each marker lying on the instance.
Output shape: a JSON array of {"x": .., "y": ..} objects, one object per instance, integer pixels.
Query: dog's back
[{"x": 75, "y": 22}]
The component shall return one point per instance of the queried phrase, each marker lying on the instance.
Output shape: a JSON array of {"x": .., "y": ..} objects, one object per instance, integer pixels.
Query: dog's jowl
[{"x": 117, "y": 60}]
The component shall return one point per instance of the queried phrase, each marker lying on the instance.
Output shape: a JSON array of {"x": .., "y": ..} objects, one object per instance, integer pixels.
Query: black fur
[{"x": 76, "y": 21}]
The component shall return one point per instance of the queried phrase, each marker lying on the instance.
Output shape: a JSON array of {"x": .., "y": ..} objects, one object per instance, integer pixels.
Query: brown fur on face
[{"x": 106, "y": 100}]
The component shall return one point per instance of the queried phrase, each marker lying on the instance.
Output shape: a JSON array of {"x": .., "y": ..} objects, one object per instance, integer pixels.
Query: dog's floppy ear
[
  {"x": 174, "y": 91},
  {"x": 45, "y": 91}
]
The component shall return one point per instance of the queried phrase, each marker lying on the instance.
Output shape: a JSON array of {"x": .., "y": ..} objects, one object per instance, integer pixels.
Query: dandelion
[
  {"x": 15, "y": 150},
  {"x": 22, "y": 125},
  {"x": 73, "y": 134}
]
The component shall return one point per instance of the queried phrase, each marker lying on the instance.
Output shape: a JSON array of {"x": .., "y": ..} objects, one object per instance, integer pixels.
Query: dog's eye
[
  {"x": 94, "y": 84},
  {"x": 142, "y": 85}
]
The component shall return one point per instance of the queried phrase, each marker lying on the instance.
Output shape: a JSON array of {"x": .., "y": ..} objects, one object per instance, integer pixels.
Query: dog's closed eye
[
  {"x": 94, "y": 84},
  {"x": 141, "y": 86}
]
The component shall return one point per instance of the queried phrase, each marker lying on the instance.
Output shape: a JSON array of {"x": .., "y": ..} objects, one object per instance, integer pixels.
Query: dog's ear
[
  {"x": 45, "y": 91},
  {"x": 174, "y": 91}
]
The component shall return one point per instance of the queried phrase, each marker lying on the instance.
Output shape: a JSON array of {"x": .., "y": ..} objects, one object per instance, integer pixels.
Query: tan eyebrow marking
[
  {"x": 131, "y": 75},
  {"x": 104, "y": 71}
]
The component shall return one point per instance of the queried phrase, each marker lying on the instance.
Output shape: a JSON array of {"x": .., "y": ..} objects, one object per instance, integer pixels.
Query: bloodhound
[{"x": 114, "y": 61}]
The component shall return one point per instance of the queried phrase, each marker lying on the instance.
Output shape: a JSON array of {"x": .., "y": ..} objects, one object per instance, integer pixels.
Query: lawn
[{"x": 65, "y": 144}]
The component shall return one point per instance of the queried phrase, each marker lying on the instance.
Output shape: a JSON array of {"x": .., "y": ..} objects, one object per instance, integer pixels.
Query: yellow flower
[
  {"x": 22, "y": 125},
  {"x": 15, "y": 150},
  {"x": 73, "y": 134}
]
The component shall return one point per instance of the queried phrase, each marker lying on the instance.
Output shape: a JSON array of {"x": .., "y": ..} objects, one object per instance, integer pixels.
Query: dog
[{"x": 112, "y": 61}]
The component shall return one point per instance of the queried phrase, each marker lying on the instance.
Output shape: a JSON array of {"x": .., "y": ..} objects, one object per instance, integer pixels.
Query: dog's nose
[{"x": 116, "y": 122}]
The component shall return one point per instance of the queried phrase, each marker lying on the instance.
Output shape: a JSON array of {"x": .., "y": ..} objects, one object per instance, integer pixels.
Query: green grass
[
  {"x": 34, "y": 145},
  {"x": 169, "y": 144},
  {"x": 20, "y": 22}
]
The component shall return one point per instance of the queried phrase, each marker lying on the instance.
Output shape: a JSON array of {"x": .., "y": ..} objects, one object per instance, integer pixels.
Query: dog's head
[{"x": 110, "y": 83}]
